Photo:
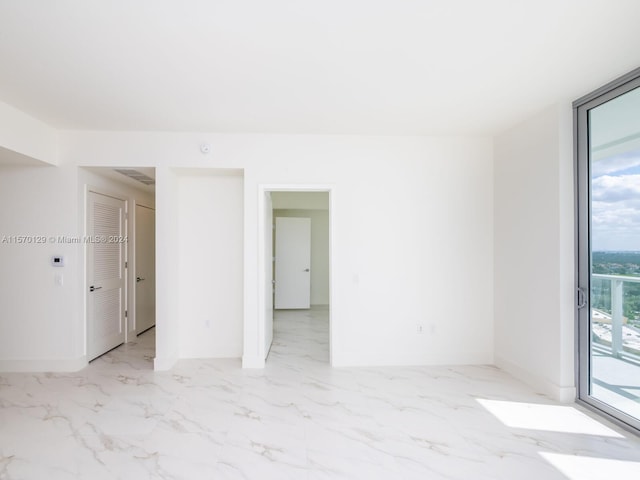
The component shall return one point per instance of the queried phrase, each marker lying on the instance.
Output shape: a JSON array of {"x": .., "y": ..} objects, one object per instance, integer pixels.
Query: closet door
[{"x": 106, "y": 273}]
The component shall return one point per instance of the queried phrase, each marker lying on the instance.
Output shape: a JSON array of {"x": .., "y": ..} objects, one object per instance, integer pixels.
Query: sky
[
  {"x": 615, "y": 203},
  {"x": 614, "y": 137}
]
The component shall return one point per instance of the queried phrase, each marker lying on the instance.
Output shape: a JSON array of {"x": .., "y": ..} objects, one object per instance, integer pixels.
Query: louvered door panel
[
  {"x": 106, "y": 273},
  {"x": 106, "y": 255}
]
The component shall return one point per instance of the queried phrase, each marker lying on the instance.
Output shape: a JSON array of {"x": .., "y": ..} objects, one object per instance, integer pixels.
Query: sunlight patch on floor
[{"x": 551, "y": 418}]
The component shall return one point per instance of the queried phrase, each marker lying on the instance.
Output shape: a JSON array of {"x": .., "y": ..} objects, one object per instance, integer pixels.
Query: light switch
[{"x": 59, "y": 278}]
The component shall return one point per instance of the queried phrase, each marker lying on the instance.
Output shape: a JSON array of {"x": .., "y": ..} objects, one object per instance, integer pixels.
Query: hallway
[
  {"x": 300, "y": 339},
  {"x": 296, "y": 419}
]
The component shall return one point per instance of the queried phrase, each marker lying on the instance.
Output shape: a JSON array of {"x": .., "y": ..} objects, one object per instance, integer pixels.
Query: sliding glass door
[{"x": 608, "y": 176}]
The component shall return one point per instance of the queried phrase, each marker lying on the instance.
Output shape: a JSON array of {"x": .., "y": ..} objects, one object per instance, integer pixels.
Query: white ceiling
[{"x": 308, "y": 66}]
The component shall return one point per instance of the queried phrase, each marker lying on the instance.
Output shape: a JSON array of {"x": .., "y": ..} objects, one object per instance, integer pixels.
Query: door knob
[
  {"x": 93, "y": 289},
  {"x": 139, "y": 279},
  {"x": 306, "y": 269}
]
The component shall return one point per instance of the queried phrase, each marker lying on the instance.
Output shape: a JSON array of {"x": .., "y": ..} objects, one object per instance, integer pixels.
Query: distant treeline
[{"x": 599, "y": 258}]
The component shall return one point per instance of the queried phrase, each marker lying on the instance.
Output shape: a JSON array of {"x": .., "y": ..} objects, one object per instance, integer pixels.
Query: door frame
[
  {"x": 582, "y": 182},
  {"x": 107, "y": 193},
  {"x": 263, "y": 189}
]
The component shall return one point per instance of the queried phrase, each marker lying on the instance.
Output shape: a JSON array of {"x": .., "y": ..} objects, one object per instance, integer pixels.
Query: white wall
[
  {"x": 413, "y": 228},
  {"x": 40, "y": 323},
  {"x": 319, "y": 250},
  {"x": 210, "y": 223},
  {"x": 24, "y": 139},
  {"x": 534, "y": 263},
  {"x": 167, "y": 269}
]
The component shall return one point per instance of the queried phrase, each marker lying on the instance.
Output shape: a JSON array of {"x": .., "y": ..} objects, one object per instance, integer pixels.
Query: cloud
[
  {"x": 615, "y": 164},
  {"x": 616, "y": 188},
  {"x": 615, "y": 212}
]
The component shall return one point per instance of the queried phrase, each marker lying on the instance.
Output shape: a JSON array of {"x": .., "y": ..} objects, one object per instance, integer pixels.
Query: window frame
[{"x": 582, "y": 183}]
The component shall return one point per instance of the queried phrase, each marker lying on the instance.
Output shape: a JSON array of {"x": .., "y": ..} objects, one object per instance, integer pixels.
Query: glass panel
[{"x": 614, "y": 154}]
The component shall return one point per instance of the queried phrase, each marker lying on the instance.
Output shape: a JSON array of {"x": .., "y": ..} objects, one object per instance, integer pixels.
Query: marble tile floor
[{"x": 296, "y": 419}]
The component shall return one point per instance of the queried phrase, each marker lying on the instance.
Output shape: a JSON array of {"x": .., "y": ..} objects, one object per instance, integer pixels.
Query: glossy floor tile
[{"x": 296, "y": 419}]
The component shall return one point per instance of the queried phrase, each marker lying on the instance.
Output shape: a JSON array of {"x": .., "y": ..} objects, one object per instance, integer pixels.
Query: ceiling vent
[{"x": 136, "y": 175}]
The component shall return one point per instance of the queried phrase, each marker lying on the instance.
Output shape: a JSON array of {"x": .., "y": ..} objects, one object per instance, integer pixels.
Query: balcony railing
[{"x": 618, "y": 347}]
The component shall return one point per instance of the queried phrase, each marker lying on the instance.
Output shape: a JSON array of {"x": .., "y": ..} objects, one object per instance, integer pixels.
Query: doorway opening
[
  {"x": 608, "y": 257},
  {"x": 119, "y": 262},
  {"x": 295, "y": 256}
]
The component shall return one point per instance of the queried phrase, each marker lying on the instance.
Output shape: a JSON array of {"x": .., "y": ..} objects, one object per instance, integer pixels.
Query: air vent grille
[{"x": 136, "y": 175}]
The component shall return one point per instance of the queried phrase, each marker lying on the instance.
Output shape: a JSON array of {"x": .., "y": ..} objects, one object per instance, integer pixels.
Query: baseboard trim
[
  {"x": 44, "y": 365},
  {"x": 376, "y": 360},
  {"x": 252, "y": 362},
  {"x": 563, "y": 394},
  {"x": 164, "y": 363}
]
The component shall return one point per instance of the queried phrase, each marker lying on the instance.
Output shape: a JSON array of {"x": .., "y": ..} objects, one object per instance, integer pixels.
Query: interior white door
[
  {"x": 293, "y": 263},
  {"x": 145, "y": 259},
  {"x": 106, "y": 273},
  {"x": 268, "y": 273}
]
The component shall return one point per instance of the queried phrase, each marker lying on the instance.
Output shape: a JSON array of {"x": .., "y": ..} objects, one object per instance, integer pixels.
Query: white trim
[
  {"x": 248, "y": 361},
  {"x": 132, "y": 321},
  {"x": 44, "y": 365},
  {"x": 377, "y": 359},
  {"x": 253, "y": 362},
  {"x": 106, "y": 193},
  {"x": 164, "y": 363},
  {"x": 563, "y": 394}
]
